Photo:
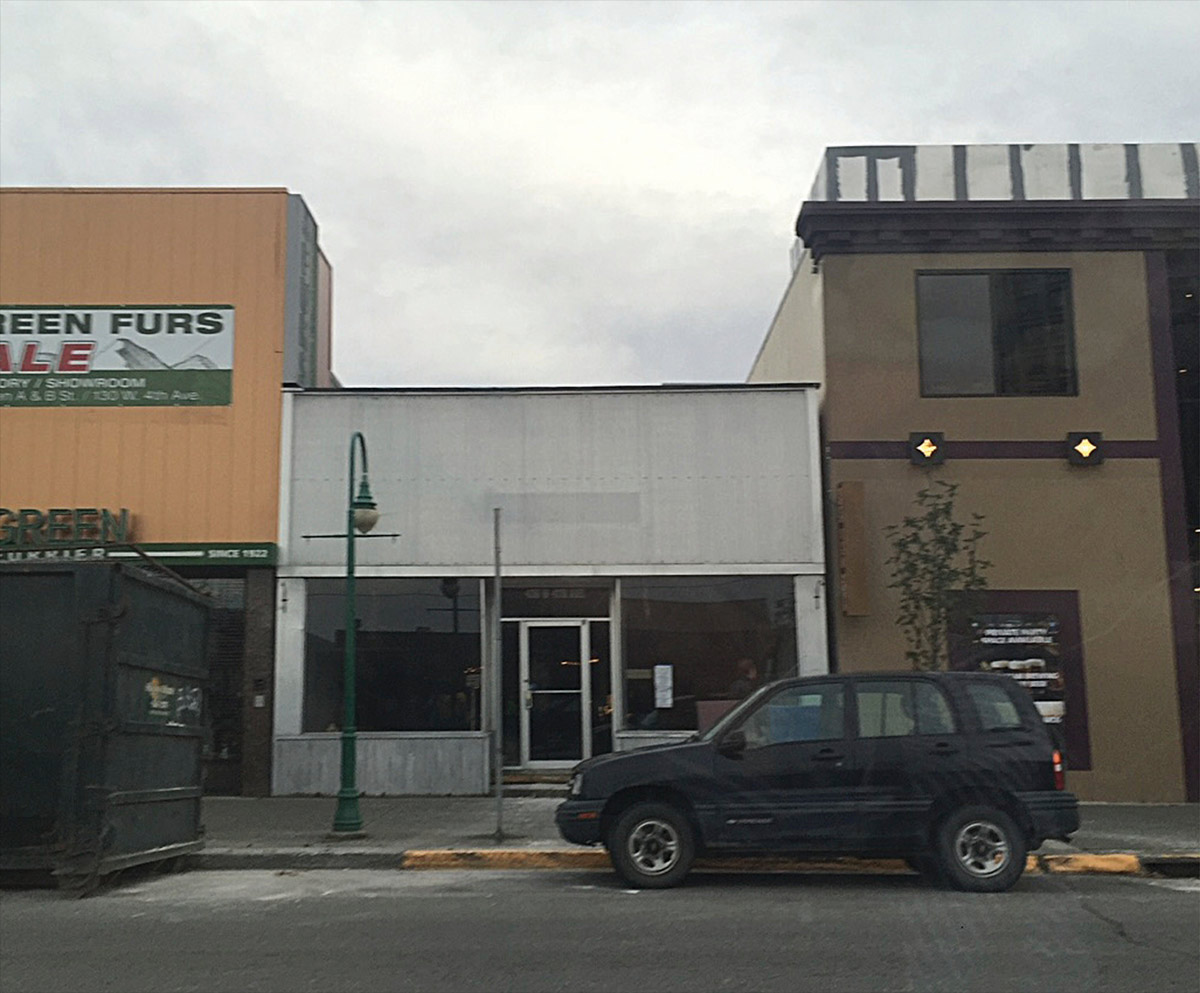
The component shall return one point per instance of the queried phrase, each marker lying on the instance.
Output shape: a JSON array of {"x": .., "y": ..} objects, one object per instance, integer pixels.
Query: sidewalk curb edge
[{"x": 1114, "y": 863}]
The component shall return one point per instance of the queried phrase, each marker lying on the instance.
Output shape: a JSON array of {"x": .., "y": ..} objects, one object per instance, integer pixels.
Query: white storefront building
[{"x": 661, "y": 549}]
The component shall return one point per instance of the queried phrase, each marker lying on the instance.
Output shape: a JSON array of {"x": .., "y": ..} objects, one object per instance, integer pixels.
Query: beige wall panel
[
  {"x": 1053, "y": 526},
  {"x": 186, "y": 473},
  {"x": 793, "y": 351},
  {"x": 871, "y": 342}
]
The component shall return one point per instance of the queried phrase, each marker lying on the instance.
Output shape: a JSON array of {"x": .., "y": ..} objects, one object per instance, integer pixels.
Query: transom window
[{"x": 996, "y": 333}]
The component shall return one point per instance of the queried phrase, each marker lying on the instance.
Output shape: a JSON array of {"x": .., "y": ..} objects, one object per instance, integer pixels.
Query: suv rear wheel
[
  {"x": 652, "y": 845},
  {"x": 980, "y": 849}
]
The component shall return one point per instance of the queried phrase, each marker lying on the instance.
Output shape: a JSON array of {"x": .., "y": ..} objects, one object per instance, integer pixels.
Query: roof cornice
[{"x": 1004, "y": 225}]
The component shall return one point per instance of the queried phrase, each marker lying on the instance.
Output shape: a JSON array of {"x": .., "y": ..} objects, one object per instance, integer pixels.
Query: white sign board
[{"x": 151, "y": 356}]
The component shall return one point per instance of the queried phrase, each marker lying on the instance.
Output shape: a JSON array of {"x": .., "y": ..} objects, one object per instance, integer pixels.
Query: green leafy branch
[{"x": 934, "y": 561}]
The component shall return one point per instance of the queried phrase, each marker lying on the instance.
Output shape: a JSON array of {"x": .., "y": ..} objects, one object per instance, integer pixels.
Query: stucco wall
[
  {"x": 794, "y": 349},
  {"x": 872, "y": 367}
]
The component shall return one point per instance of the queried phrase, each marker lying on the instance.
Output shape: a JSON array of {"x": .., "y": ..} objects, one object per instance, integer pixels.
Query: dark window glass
[
  {"x": 996, "y": 710},
  {"x": 722, "y": 636},
  {"x": 902, "y": 707},
  {"x": 956, "y": 334},
  {"x": 996, "y": 333},
  {"x": 933, "y": 712},
  {"x": 799, "y": 713},
  {"x": 418, "y": 657},
  {"x": 885, "y": 709}
]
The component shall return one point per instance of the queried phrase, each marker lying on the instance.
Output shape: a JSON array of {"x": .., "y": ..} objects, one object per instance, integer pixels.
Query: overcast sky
[{"x": 561, "y": 192}]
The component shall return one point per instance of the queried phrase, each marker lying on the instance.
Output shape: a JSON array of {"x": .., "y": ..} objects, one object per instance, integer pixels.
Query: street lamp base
[{"x": 347, "y": 820}]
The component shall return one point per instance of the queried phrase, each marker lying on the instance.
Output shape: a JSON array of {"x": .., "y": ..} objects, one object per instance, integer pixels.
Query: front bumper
[
  {"x": 578, "y": 821},
  {"x": 1052, "y": 814}
]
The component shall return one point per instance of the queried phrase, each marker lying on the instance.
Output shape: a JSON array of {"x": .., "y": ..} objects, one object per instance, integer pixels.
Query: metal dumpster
[{"x": 102, "y": 672}]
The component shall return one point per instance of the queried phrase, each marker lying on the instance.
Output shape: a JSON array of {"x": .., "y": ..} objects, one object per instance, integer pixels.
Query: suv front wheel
[
  {"x": 980, "y": 849},
  {"x": 652, "y": 845}
]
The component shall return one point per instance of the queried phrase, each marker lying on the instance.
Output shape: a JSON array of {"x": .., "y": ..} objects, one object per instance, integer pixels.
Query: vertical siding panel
[{"x": 187, "y": 473}]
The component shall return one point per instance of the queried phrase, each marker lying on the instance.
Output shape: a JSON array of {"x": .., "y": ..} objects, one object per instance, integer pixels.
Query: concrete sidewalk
[{"x": 293, "y": 833}]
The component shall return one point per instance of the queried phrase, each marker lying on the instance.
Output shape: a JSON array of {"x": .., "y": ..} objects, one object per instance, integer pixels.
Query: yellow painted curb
[
  {"x": 506, "y": 858},
  {"x": 1119, "y": 863},
  {"x": 597, "y": 858}
]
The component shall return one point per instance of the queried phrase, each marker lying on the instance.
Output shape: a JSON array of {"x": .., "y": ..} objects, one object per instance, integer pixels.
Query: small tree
[{"x": 934, "y": 561}]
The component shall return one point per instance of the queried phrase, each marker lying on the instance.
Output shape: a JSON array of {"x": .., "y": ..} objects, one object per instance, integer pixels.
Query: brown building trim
[
  {"x": 994, "y": 450},
  {"x": 998, "y": 226},
  {"x": 1179, "y": 568}
]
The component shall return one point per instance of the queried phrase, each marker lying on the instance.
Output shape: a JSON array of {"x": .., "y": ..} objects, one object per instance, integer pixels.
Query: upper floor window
[{"x": 999, "y": 333}]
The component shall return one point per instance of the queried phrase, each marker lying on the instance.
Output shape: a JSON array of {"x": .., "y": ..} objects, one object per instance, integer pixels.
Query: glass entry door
[{"x": 557, "y": 685}]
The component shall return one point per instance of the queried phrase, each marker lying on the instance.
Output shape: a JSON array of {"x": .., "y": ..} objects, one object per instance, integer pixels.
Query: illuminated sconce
[
  {"x": 1085, "y": 447},
  {"x": 926, "y": 448}
]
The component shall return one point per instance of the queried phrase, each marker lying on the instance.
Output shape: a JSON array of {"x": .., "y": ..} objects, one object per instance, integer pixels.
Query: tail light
[{"x": 1060, "y": 778}]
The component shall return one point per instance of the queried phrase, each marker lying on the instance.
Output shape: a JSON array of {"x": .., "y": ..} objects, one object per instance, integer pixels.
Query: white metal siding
[{"x": 599, "y": 481}]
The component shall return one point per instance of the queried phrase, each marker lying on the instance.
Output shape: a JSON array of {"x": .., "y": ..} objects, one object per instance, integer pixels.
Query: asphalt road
[{"x": 565, "y": 930}]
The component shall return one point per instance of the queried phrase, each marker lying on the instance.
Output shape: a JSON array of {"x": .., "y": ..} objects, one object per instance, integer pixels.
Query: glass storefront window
[
  {"x": 418, "y": 656},
  {"x": 694, "y": 646}
]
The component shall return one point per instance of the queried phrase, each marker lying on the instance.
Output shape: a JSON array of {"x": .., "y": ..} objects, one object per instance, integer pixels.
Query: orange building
[{"x": 145, "y": 336}]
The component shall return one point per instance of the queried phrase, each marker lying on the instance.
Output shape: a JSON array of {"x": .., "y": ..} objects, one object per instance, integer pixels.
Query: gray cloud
[{"x": 533, "y": 193}]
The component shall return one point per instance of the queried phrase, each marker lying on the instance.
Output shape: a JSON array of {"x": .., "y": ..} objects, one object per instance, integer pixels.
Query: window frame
[{"x": 991, "y": 273}]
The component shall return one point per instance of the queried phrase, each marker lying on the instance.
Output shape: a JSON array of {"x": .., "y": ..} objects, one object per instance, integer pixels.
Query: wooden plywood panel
[{"x": 188, "y": 474}]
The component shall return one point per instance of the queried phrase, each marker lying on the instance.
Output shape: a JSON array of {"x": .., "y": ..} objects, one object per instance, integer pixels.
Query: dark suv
[{"x": 955, "y": 772}]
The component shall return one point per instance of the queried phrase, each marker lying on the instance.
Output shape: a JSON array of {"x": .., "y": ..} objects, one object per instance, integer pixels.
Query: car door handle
[
  {"x": 828, "y": 755},
  {"x": 943, "y": 748}
]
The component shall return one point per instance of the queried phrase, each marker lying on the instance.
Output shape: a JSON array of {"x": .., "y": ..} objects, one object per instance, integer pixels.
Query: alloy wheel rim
[
  {"x": 982, "y": 848},
  {"x": 653, "y": 846}
]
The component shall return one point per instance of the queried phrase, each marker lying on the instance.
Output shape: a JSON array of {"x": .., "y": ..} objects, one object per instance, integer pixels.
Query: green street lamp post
[{"x": 361, "y": 515}]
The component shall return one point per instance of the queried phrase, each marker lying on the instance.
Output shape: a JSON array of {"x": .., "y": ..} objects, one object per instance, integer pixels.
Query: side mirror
[{"x": 732, "y": 744}]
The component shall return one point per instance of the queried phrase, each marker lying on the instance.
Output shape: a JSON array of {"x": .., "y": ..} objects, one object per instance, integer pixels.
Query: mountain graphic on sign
[
  {"x": 137, "y": 357},
  {"x": 195, "y": 362},
  {"x": 140, "y": 357}
]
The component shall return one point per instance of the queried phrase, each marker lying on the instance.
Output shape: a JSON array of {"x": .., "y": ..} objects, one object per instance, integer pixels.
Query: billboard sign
[{"x": 134, "y": 356}]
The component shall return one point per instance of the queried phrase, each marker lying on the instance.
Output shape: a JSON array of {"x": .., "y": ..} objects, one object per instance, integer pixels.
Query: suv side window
[
  {"x": 895, "y": 708},
  {"x": 995, "y": 708},
  {"x": 797, "y": 714}
]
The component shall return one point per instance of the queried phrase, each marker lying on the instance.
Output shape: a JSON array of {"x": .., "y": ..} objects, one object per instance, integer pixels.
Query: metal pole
[
  {"x": 347, "y": 819},
  {"x": 497, "y": 685}
]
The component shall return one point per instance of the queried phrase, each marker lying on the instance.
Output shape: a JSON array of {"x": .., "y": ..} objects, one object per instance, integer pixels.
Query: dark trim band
[
  {"x": 991, "y": 450},
  {"x": 997, "y": 226}
]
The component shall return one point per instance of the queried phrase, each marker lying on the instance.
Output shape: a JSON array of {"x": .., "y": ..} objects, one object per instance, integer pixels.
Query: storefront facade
[
  {"x": 661, "y": 553},
  {"x": 1023, "y": 320},
  {"x": 144, "y": 339}
]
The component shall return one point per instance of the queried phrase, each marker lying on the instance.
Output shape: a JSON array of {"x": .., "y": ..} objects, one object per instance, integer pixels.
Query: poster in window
[{"x": 1026, "y": 647}]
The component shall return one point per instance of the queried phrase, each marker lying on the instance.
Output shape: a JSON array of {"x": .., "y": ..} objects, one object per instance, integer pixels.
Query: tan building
[
  {"x": 145, "y": 336},
  {"x": 1020, "y": 321}
]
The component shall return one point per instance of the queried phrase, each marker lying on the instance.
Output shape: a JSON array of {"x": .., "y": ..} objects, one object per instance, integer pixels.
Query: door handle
[
  {"x": 828, "y": 755},
  {"x": 943, "y": 748}
]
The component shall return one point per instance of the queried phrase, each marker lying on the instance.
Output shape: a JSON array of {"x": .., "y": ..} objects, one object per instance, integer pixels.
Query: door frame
[{"x": 583, "y": 625}]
